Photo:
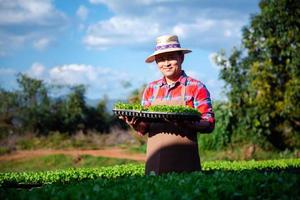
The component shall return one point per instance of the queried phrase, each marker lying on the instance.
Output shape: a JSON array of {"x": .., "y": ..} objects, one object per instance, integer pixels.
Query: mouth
[{"x": 167, "y": 68}]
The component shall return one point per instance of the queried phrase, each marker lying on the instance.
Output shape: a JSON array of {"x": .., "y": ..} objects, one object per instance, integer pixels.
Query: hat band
[{"x": 167, "y": 46}]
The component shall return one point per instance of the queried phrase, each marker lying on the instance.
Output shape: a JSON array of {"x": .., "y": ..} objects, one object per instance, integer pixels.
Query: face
[{"x": 170, "y": 64}]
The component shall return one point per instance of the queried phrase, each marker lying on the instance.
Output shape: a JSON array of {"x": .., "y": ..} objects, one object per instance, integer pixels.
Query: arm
[
  {"x": 202, "y": 103},
  {"x": 141, "y": 127},
  {"x": 202, "y": 126}
]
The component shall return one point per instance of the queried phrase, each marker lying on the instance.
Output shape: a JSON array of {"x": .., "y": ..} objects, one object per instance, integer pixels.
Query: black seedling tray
[{"x": 156, "y": 115}]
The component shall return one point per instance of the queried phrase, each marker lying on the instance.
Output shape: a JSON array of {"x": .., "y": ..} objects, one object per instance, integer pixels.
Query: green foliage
[
  {"x": 74, "y": 109},
  {"x": 263, "y": 77},
  {"x": 129, "y": 106},
  {"x": 271, "y": 179},
  {"x": 72, "y": 174},
  {"x": 221, "y": 136},
  {"x": 8, "y": 110},
  {"x": 173, "y": 109},
  {"x": 216, "y": 185},
  {"x": 33, "y": 103},
  {"x": 136, "y": 95},
  {"x": 156, "y": 108},
  {"x": 59, "y": 162},
  {"x": 30, "y": 109}
]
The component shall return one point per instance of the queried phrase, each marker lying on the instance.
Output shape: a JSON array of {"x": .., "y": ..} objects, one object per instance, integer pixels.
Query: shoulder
[
  {"x": 194, "y": 82},
  {"x": 154, "y": 84}
]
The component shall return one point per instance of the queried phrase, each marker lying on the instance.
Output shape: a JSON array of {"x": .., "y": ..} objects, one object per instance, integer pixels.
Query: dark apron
[{"x": 169, "y": 148}]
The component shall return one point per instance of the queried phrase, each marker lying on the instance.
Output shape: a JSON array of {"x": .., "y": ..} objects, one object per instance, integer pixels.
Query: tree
[
  {"x": 8, "y": 110},
  {"x": 33, "y": 103},
  {"x": 75, "y": 109},
  {"x": 263, "y": 76},
  {"x": 136, "y": 95}
]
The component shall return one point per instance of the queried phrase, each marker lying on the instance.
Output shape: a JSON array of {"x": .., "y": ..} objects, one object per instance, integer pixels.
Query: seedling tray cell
[{"x": 157, "y": 115}]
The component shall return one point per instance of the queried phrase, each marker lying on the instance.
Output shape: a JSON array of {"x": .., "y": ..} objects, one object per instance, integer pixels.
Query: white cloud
[
  {"x": 37, "y": 70},
  {"x": 82, "y": 12},
  {"x": 98, "y": 80},
  {"x": 212, "y": 27},
  {"x": 120, "y": 31},
  {"x": 41, "y": 43},
  {"x": 28, "y": 21},
  {"x": 128, "y": 7},
  {"x": 28, "y": 12},
  {"x": 227, "y": 33},
  {"x": 197, "y": 33},
  {"x": 200, "y": 25},
  {"x": 73, "y": 74}
]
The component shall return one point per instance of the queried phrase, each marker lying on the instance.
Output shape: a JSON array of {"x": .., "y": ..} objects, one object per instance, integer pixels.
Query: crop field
[{"x": 270, "y": 179}]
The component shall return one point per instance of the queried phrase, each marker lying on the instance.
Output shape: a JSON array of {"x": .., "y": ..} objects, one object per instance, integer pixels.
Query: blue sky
[{"x": 103, "y": 43}]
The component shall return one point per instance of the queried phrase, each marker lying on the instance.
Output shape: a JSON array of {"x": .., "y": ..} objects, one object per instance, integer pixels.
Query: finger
[
  {"x": 136, "y": 120},
  {"x": 131, "y": 120},
  {"x": 127, "y": 120}
]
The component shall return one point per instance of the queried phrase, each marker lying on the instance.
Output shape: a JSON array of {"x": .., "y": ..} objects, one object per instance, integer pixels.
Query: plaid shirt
[{"x": 196, "y": 95}]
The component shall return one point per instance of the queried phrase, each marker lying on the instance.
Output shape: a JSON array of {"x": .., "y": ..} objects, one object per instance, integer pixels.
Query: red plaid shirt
[{"x": 196, "y": 95}]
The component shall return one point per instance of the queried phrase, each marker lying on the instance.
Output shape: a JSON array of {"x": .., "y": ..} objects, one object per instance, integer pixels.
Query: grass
[
  {"x": 138, "y": 148},
  {"x": 98, "y": 141},
  {"x": 231, "y": 153},
  {"x": 59, "y": 161},
  {"x": 238, "y": 153},
  {"x": 56, "y": 140}
]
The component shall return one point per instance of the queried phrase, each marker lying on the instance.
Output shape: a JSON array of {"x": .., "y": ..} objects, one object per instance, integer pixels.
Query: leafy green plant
[
  {"x": 156, "y": 108},
  {"x": 128, "y": 182},
  {"x": 73, "y": 174},
  {"x": 128, "y": 106}
]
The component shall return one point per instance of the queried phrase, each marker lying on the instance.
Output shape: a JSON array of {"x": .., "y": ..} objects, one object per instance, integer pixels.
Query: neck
[
  {"x": 173, "y": 79},
  {"x": 170, "y": 81}
]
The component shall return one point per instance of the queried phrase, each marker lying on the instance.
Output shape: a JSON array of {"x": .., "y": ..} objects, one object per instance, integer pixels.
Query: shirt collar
[{"x": 181, "y": 80}]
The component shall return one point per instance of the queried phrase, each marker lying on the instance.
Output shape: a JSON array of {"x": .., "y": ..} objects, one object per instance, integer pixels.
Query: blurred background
[{"x": 63, "y": 65}]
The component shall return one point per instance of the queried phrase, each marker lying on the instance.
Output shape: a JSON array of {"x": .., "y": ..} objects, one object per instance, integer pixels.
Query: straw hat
[{"x": 166, "y": 43}]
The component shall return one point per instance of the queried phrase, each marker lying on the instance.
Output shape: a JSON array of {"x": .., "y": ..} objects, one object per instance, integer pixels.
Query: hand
[{"x": 137, "y": 124}]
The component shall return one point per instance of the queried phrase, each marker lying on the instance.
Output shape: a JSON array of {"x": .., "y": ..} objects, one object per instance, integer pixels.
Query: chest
[{"x": 178, "y": 95}]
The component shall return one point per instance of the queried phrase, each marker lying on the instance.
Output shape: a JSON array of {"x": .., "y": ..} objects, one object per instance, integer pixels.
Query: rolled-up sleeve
[
  {"x": 203, "y": 104},
  {"x": 146, "y": 99}
]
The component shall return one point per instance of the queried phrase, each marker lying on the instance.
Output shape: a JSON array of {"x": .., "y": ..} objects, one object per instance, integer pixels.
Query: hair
[{"x": 181, "y": 54}]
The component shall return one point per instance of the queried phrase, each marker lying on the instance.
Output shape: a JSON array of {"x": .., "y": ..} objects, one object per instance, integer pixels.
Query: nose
[{"x": 166, "y": 63}]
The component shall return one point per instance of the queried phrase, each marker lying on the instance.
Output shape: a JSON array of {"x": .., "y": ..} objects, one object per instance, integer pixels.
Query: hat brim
[{"x": 151, "y": 58}]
